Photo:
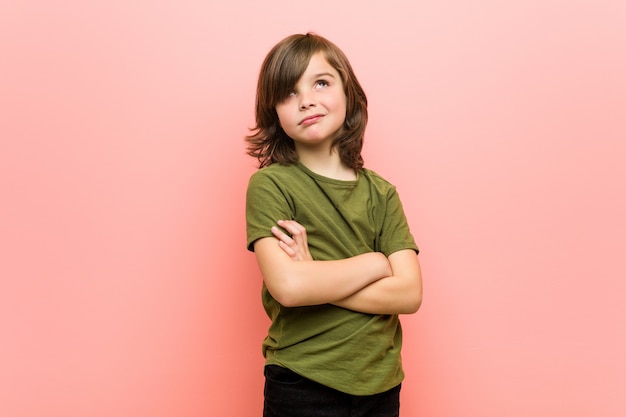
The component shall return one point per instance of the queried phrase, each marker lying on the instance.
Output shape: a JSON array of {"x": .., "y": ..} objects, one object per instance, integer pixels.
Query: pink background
[{"x": 125, "y": 286}]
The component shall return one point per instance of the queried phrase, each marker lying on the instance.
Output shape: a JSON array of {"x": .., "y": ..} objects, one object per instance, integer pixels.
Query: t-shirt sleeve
[
  {"x": 396, "y": 234},
  {"x": 266, "y": 203}
]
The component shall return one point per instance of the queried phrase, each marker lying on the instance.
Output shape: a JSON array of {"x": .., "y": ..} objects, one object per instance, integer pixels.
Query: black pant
[{"x": 287, "y": 394}]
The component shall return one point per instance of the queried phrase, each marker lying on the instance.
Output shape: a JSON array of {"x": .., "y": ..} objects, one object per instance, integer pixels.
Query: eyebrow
[{"x": 322, "y": 74}]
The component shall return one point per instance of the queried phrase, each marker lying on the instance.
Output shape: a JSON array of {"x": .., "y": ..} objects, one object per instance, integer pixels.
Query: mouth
[{"x": 311, "y": 119}]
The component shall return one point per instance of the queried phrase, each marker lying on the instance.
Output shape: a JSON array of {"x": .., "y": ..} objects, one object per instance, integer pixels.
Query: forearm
[
  {"x": 400, "y": 293},
  {"x": 390, "y": 295},
  {"x": 302, "y": 283},
  {"x": 320, "y": 282}
]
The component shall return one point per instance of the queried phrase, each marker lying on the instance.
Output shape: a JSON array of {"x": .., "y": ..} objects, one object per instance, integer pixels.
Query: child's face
[{"x": 316, "y": 109}]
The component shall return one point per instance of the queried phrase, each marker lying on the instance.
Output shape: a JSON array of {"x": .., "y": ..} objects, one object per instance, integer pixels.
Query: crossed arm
[{"x": 368, "y": 283}]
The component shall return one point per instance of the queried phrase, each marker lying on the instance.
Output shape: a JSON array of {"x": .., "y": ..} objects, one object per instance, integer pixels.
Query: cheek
[
  {"x": 282, "y": 122},
  {"x": 344, "y": 109},
  {"x": 342, "y": 104},
  {"x": 283, "y": 115}
]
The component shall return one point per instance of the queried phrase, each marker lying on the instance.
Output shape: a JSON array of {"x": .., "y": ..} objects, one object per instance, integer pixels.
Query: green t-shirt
[{"x": 349, "y": 351}]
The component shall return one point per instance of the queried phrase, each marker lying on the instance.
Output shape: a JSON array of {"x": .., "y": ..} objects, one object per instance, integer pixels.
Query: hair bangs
[{"x": 282, "y": 68}]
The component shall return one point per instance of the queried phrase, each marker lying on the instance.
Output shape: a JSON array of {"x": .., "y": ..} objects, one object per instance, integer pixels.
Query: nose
[{"x": 306, "y": 101}]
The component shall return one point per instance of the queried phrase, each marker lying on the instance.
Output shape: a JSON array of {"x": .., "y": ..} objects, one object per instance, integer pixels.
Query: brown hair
[{"x": 282, "y": 68}]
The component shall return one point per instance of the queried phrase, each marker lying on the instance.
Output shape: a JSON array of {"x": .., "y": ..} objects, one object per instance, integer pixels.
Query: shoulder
[
  {"x": 277, "y": 178},
  {"x": 273, "y": 173},
  {"x": 378, "y": 181}
]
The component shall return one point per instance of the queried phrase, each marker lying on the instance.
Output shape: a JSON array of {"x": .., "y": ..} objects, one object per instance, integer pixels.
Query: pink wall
[{"x": 125, "y": 287}]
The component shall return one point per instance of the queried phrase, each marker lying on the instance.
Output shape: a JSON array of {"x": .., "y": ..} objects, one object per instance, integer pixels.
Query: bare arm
[
  {"x": 398, "y": 293},
  {"x": 297, "y": 280}
]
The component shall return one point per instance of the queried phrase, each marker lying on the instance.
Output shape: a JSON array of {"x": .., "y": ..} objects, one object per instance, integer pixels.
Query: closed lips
[{"x": 311, "y": 119}]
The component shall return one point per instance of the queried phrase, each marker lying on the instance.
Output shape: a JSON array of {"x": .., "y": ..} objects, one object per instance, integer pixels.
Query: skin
[
  {"x": 368, "y": 283},
  {"x": 398, "y": 293},
  {"x": 312, "y": 115}
]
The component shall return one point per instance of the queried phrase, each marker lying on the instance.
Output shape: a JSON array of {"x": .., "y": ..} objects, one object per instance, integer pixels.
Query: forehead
[{"x": 319, "y": 65}]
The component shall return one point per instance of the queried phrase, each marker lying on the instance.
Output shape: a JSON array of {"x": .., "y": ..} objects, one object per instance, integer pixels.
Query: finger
[
  {"x": 286, "y": 248},
  {"x": 280, "y": 235},
  {"x": 292, "y": 227}
]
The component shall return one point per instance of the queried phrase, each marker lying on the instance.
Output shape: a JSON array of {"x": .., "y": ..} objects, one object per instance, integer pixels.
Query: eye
[
  {"x": 289, "y": 95},
  {"x": 321, "y": 83}
]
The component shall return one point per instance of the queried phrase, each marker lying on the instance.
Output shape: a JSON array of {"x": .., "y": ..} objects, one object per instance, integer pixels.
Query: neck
[{"x": 327, "y": 164}]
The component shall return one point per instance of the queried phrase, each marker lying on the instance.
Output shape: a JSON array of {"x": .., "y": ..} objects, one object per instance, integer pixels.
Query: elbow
[
  {"x": 413, "y": 302},
  {"x": 285, "y": 294},
  {"x": 414, "y": 305},
  {"x": 280, "y": 284},
  {"x": 286, "y": 300}
]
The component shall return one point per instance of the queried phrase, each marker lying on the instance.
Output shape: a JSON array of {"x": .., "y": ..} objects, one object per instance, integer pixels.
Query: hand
[{"x": 296, "y": 246}]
